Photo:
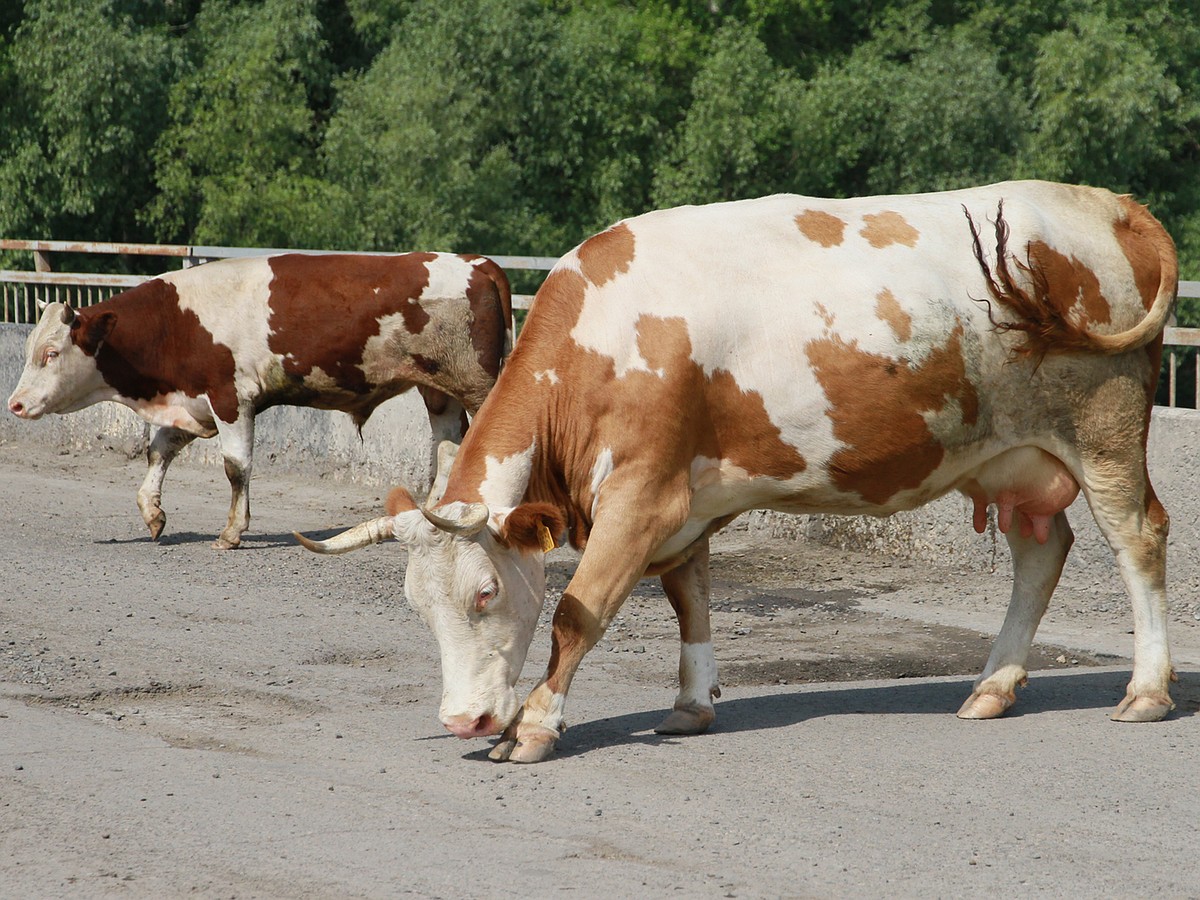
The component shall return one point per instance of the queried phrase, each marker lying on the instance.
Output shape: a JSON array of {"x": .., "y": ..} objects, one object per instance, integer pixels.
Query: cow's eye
[
  {"x": 484, "y": 597},
  {"x": 49, "y": 355}
]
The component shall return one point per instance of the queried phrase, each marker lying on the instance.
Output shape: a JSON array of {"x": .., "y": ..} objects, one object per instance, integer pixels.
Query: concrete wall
[{"x": 395, "y": 444}]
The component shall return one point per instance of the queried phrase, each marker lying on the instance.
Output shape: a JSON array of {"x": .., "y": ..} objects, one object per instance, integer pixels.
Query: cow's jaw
[{"x": 482, "y": 649}]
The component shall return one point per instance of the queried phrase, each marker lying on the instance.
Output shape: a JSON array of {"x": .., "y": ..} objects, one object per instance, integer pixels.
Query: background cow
[
  {"x": 859, "y": 356},
  {"x": 201, "y": 351}
]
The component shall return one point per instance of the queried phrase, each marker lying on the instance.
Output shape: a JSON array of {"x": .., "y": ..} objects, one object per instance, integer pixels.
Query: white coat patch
[{"x": 601, "y": 469}]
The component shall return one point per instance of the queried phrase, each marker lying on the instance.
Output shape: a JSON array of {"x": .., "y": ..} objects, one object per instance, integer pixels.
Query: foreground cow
[
  {"x": 201, "y": 351},
  {"x": 812, "y": 356}
]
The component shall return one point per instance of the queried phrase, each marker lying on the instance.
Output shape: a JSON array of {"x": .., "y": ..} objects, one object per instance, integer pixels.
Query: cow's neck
[
  {"x": 510, "y": 454},
  {"x": 497, "y": 460}
]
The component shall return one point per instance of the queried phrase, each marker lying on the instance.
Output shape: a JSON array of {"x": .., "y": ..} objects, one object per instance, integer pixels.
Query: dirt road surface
[{"x": 263, "y": 723}]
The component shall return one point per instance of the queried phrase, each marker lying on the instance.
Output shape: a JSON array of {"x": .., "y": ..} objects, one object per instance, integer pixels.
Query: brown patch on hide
[
  {"x": 1040, "y": 316},
  {"x": 725, "y": 422},
  {"x": 888, "y": 308},
  {"x": 886, "y": 228},
  {"x": 520, "y": 397},
  {"x": 1073, "y": 286},
  {"x": 399, "y": 500},
  {"x": 490, "y": 298},
  {"x": 821, "y": 227},
  {"x": 153, "y": 347},
  {"x": 877, "y": 406},
  {"x": 1147, "y": 246},
  {"x": 324, "y": 309},
  {"x": 607, "y": 254}
]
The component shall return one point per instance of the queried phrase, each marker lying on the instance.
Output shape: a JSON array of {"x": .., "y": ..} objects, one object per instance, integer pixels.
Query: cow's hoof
[
  {"x": 687, "y": 720},
  {"x": 223, "y": 543},
  {"x": 503, "y": 750},
  {"x": 1145, "y": 708},
  {"x": 534, "y": 745},
  {"x": 986, "y": 706},
  {"x": 156, "y": 525}
]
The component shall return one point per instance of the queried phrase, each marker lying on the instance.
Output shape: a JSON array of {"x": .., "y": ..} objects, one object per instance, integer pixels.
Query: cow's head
[
  {"x": 477, "y": 577},
  {"x": 60, "y": 372}
]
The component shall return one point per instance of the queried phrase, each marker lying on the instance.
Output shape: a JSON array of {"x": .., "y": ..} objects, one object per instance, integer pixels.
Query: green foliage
[
  {"x": 523, "y": 126},
  {"x": 495, "y": 124},
  {"x": 237, "y": 164},
  {"x": 1103, "y": 105},
  {"x": 735, "y": 138},
  {"x": 908, "y": 110},
  {"x": 78, "y": 105}
]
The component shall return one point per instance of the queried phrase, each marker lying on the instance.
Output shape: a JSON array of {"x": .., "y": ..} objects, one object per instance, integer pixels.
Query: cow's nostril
[{"x": 480, "y": 726}]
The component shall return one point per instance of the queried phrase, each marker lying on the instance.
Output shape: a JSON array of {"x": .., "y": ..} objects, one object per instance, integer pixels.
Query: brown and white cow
[
  {"x": 201, "y": 351},
  {"x": 852, "y": 357}
]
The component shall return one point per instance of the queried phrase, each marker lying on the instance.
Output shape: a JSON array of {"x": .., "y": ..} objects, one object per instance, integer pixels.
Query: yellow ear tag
[{"x": 547, "y": 540}]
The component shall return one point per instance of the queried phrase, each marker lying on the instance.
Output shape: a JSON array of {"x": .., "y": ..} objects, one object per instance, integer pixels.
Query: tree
[
  {"x": 734, "y": 140},
  {"x": 238, "y": 163},
  {"x": 497, "y": 125},
  {"x": 72, "y": 159}
]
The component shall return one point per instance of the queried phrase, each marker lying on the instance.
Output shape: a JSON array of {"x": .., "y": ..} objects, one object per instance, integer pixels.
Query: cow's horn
[
  {"x": 68, "y": 314},
  {"x": 362, "y": 535},
  {"x": 473, "y": 519}
]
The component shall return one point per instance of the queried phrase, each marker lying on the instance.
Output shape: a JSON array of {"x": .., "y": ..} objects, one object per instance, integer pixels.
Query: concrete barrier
[{"x": 394, "y": 448}]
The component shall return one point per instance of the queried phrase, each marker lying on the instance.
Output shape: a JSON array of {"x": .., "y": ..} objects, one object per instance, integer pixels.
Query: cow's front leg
[
  {"x": 237, "y": 449},
  {"x": 614, "y": 560},
  {"x": 687, "y": 587},
  {"x": 1036, "y": 570},
  {"x": 164, "y": 447},
  {"x": 578, "y": 625}
]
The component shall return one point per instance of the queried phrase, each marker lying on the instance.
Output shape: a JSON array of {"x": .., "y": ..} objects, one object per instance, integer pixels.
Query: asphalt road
[{"x": 175, "y": 721}]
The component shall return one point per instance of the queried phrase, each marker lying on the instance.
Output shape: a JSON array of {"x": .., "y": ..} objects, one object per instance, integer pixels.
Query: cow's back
[{"x": 347, "y": 331}]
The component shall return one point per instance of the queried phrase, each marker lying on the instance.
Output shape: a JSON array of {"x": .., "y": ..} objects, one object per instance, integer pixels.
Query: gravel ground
[{"x": 262, "y": 723}]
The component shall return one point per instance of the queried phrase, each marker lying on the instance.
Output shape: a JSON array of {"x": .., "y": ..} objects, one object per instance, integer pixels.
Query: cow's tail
[{"x": 1046, "y": 325}]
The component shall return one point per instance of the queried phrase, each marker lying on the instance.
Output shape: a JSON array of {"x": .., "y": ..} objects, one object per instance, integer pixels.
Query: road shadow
[
  {"x": 1046, "y": 692},
  {"x": 250, "y": 541}
]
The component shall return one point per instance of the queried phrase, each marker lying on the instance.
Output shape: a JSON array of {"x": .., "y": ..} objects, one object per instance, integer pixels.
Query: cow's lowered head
[
  {"x": 60, "y": 372},
  {"x": 477, "y": 577}
]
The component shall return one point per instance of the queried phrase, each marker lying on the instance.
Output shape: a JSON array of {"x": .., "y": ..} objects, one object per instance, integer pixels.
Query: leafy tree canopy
[{"x": 521, "y": 126}]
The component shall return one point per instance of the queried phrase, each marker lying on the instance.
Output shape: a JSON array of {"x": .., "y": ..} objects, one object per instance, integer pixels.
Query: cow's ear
[
  {"x": 534, "y": 527},
  {"x": 398, "y": 501},
  {"x": 93, "y": 331}
]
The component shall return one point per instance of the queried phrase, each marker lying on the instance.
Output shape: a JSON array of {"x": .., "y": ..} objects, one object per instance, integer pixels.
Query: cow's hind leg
[
  {"x": 1135, "y": 526},
  {"x": 687, "y": 587},
  {"x": 237, "y": 449},
  {"x": 164, "y": 447},
  {"x": 1036, "y": 570},
  {"x": 447, "y": 422}
]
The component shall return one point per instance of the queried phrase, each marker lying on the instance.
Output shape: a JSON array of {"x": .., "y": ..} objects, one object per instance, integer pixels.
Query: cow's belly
[
  {"x": 1027, "y": 485},
  {"x": 176, "y": 410}
]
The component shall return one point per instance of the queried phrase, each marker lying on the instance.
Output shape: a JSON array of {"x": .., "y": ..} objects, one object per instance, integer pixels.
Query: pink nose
[
  {"x": 16, "y": 407},
  {"x": 466, "y": 727}
]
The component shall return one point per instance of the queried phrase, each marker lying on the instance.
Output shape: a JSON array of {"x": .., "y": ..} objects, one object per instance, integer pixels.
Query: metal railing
[{"x": 21, "y": 291}]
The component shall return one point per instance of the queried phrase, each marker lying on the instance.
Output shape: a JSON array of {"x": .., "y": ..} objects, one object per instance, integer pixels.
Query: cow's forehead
[{"x": 50, "y": 324}]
